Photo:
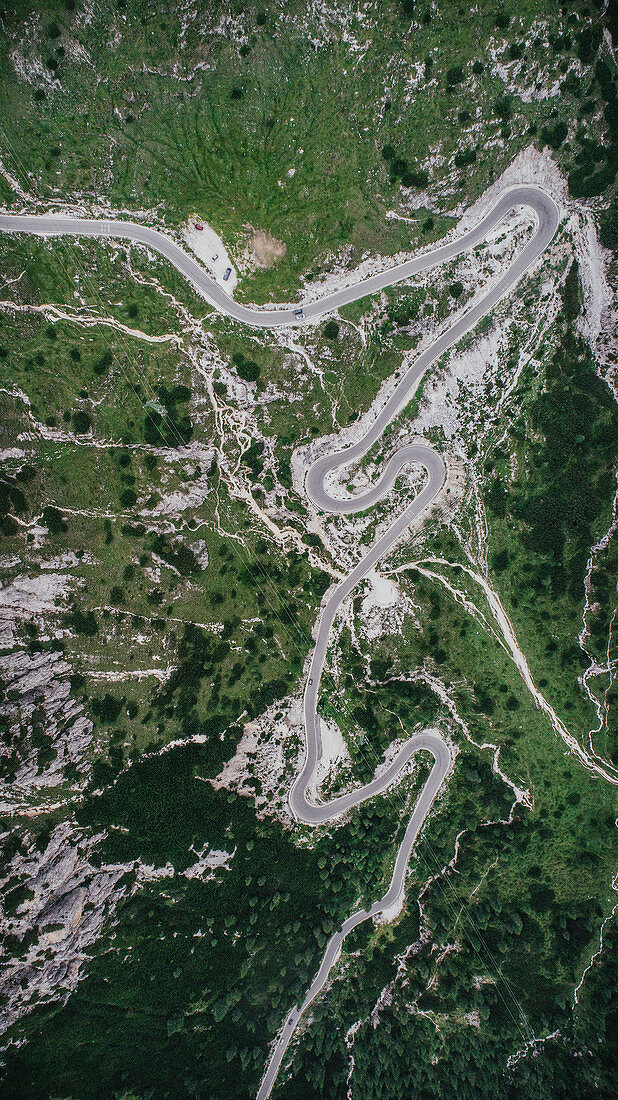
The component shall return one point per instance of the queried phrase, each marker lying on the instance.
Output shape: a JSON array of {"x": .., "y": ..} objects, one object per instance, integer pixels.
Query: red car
[{"x": 198, "y": 226}]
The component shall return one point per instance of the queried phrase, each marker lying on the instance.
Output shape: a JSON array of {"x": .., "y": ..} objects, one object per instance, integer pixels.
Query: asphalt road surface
[
  {"x": 304, "y": 809},
  {"x": 54, "y": 225},
  {"x": 301, "y": 805}
]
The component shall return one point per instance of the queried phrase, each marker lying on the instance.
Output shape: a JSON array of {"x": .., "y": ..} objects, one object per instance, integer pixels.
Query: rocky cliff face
[
  {"x": 54, "y": 898},
  {"x": 56, "y": 901},
  {"x": 46, "y": 729}
]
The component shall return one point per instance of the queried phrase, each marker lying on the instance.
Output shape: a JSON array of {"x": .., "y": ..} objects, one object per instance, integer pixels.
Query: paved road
[
  {"x": 547, "y": 218},
  {"x": 302, "y": 807},
  {"x": 54, "y": 225}
]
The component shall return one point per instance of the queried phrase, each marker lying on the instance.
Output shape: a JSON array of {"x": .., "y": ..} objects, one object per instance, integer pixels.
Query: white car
[{"x": 215, "y": 257}]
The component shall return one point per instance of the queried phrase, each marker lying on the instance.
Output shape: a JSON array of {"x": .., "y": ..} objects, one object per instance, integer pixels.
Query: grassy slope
[
  {"x": 220, "y": 136},
  {"x": 191, "y": 147}
]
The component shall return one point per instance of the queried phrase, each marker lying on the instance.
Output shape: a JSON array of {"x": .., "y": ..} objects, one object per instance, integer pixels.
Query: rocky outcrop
[
  {"x": 56, "y": 902},
  {"x": 46, "y": 730}
]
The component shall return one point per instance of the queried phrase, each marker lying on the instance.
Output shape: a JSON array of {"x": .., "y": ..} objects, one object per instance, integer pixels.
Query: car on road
[
  {"x": 310, "y": 681},
  {"x": 298, "y": 313},
  {"x": 215, "y": 257},
  {"x": 227, "y": 273}
]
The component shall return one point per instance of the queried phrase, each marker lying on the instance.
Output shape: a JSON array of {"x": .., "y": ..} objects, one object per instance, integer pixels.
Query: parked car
[
  {"x": 215, "y": 257},
  {"x": 198, "y": 226},
  {"x": 227, "y": 273}
]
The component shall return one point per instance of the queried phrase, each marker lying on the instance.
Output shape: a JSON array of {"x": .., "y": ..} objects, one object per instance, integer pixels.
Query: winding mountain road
[{"x": 304, "y": 809}]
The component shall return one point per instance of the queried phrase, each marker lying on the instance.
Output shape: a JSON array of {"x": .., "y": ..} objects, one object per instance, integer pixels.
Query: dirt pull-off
[{"x": 266, "y": 250}]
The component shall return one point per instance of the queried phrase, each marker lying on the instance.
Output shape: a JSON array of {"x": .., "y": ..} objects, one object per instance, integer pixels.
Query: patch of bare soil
[{"x": 265, "y": 249}]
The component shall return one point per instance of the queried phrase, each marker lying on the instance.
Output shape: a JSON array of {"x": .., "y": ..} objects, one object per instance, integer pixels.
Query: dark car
[{"x": 227, "y": 273}]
